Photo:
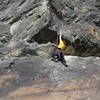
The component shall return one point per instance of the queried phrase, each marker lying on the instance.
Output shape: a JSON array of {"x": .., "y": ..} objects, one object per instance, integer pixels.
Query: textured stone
[
  {"x": 79, "y": 27},
  {"x": 28, "y": 38},
  {"x": 4, "y": 33},
  {"x": 35, "y": 77},
  {"x": 41, "y": 20}
]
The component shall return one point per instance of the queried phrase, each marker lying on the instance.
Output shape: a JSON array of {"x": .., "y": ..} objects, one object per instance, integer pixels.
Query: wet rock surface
[{"x": 34, "y": 78}]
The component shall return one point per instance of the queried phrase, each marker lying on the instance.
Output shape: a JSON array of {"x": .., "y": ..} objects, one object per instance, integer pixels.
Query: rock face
[
  {"x": 77, "y": 22},
  {"x": 25, "y": 17},
  {"x": 5, "y": 35},
  {"x": 28, "y": 34},
  {"x": 33, "y": 78},
  {"x": 41, "y": 20}
]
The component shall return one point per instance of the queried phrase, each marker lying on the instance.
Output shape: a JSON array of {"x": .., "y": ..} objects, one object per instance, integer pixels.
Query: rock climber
[{"x": 58, "y": 54}]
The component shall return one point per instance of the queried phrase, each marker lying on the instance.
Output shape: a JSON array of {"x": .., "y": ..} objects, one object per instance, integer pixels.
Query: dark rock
[
  {"x": 6, "y": 63},
  {"x": 4, "y": 51},
  {"x": 45, "y": 35},
  {"x": 4, "y": 33},
  {"x": 78, "y": 21}
]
